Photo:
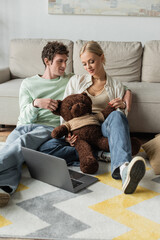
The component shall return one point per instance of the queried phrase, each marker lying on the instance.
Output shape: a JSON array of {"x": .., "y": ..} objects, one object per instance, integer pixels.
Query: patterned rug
[{"x": 100, "y": 212}]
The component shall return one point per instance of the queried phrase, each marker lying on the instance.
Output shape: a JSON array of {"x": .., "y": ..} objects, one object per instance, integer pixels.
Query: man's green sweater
[{"x": 38, "y": 87}]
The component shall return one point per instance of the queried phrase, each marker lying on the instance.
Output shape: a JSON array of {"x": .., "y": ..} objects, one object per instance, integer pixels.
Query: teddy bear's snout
[{"x": 78, "y": 109}]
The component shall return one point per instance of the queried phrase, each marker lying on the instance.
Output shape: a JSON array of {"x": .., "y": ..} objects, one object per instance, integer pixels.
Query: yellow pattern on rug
[
  {"x": 116, "y": 208},
  {"x": 4, "y": 222},
  {"x": 21, "y": 187}
]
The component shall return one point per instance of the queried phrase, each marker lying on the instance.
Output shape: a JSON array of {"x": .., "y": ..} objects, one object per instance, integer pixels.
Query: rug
[{"x": 100, "y": 212}]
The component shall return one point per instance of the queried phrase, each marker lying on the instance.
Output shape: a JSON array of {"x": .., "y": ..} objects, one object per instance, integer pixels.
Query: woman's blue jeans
[{"x": 116, "y": 129}]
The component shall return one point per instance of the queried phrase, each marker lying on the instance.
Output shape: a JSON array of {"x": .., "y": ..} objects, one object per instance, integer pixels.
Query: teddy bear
[{"x": 76, "y": 110}]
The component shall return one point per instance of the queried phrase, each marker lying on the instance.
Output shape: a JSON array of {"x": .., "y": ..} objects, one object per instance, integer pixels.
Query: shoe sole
[
  {"x": 4, "y": 199},
  {"x": 136, "y": 171}
]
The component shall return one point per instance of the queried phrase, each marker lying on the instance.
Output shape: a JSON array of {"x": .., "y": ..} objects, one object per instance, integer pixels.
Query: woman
[{"x": 102, "y": 90}]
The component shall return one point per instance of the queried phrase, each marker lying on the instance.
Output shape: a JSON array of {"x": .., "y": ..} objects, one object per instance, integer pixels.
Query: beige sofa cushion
[
  {"x": 25, "y": 56},
  {"x": 123, "y": 59},
  {"x": 151, "y": 62},
  {"x": 152, "y": 149}
]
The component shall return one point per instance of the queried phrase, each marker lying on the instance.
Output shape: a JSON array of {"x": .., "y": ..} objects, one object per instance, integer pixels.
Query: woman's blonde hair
[{"x": 92, "y": 47}]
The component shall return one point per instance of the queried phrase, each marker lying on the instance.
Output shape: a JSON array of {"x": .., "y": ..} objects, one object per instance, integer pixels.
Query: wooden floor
[
  {"x": 5, "y": 131},
  {"x": 3, "y": 238}
]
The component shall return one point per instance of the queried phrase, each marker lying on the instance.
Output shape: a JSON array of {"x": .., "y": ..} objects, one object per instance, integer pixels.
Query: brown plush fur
[
  {"x": 74, "y": 106},
  {"x": 89, "y": 136}
]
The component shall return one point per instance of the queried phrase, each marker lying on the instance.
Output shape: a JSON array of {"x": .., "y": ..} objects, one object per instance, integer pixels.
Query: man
[{"x": 37, "y": 99}]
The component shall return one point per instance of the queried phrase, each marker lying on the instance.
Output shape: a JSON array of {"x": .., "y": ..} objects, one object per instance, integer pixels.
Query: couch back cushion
[
  {"x": 25, "y": 56},
  {"x": 123, "y": 59},
  {"x": 151, "y": 62}
]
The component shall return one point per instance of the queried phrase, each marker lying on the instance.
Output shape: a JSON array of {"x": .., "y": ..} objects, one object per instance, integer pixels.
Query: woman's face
[{"x": 92, "y": 63}]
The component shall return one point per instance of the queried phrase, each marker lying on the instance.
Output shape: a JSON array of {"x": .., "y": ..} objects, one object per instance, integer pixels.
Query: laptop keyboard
[{"x": 76, "y": 182}]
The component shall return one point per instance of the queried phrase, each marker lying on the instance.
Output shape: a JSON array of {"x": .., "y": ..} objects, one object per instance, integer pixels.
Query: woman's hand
[
  {"x": 71, "y": 139},
  {"x": 118, "y": 103},
  {"x": 128, "y": 99},
  {"x": 46, "y": 103}
]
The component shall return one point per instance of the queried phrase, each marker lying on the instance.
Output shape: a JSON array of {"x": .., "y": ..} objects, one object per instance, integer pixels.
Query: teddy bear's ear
[
  {"x": 57, "y": 111},
  {"x": 84, "y": 93}
]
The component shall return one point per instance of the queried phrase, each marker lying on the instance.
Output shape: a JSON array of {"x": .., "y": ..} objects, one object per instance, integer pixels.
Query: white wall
[{"x": 30, "y": 19}]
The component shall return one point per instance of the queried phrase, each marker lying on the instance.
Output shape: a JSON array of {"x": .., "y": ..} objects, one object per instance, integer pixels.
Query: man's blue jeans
[
  {"x": 11, "y": 158},
  {"x": 31, "y": 136},
  {"x": 62, "y": 149}
]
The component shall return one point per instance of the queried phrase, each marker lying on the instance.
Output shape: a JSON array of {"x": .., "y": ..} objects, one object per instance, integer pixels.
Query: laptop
[{"x": 54, "y": 171}]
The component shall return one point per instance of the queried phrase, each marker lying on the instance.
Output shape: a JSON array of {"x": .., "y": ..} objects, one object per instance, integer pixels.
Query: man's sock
[
  {"x": 104, "y": 156},
  {"x": 122, "y": 167}
]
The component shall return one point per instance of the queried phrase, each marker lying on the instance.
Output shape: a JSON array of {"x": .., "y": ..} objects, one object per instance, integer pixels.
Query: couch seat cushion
[
  {"x": 10, "y": 88},
  {"x": 145, "y": 114},
  {"x": 9, "y": 99},
  {"x": 144, "y": 92}
]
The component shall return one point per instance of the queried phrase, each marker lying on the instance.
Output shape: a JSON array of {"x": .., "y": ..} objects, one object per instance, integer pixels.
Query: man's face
[{"x": 58, "y": 66}]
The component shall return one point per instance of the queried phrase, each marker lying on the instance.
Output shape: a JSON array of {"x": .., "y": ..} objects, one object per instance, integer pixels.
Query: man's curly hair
[{"x": 53, "y": 48}]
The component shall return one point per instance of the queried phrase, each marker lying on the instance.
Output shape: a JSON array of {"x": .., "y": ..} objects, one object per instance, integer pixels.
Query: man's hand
[
  {"x": 46, "y": 103},
  {"x": 71, "y": 139},
  {"x": 117, "y": 103}
]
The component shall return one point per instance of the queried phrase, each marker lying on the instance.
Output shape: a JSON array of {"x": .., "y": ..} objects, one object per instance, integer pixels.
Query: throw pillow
[{"x": 152, "y": 149}]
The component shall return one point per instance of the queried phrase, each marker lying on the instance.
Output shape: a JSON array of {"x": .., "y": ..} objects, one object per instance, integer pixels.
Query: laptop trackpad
[
  {"x": 75, "y": 178},
  {"x": 76, "y": 183},
  {"x": 75, "y": 175}
]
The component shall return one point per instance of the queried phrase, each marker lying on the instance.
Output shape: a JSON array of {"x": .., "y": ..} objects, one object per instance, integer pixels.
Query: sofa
[{"x": 137, "y": 66}]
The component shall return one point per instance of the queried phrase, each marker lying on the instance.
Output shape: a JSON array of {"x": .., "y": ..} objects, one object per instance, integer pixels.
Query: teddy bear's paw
[
  {"x": 90, "y": 166},
  {"x": 54, "y": 134},
  {"x": 59, "y": 131}
]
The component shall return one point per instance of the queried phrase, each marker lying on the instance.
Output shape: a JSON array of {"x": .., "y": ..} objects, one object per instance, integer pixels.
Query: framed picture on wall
[{"x": 147, "y": 8}]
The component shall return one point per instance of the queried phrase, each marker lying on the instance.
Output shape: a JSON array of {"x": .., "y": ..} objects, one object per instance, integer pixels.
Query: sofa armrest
[{"x": 4, "y": 75}]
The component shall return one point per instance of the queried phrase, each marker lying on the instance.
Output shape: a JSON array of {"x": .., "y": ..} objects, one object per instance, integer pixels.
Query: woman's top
[
  {"x": 100, "y": 101},
  {"x": 112, "y": 89}
]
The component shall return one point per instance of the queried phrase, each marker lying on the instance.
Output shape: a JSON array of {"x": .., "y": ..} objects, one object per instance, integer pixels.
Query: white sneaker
[
  {"x": 104, "y": 156},
  {"x": 4, "y": 198},
  {"x": 132, "y": 174}
]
